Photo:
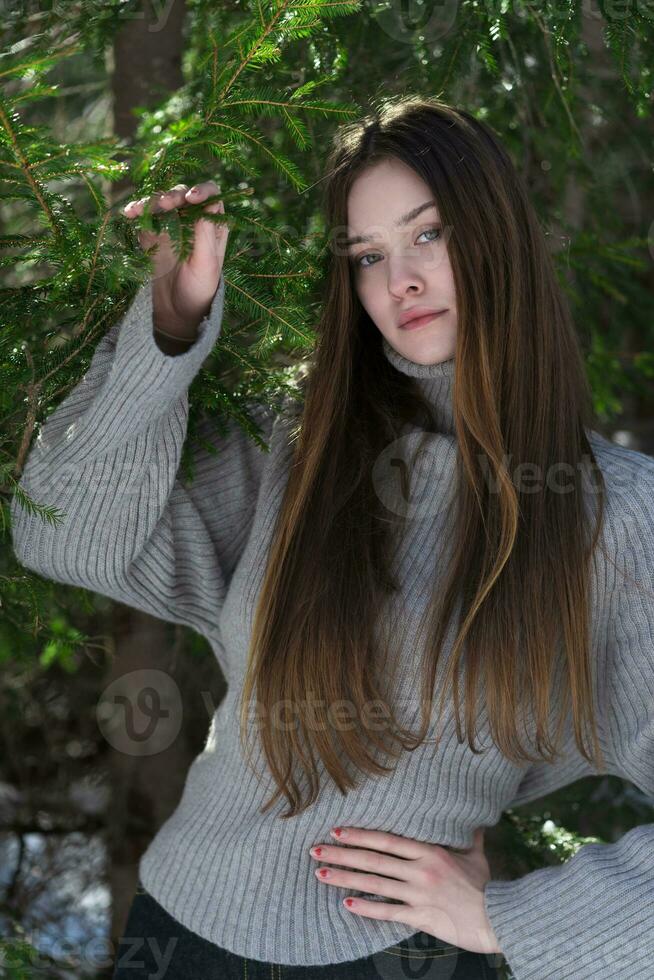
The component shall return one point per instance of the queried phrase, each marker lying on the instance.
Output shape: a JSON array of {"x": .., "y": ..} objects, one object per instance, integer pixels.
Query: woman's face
[{"x": 404, "y": 266}]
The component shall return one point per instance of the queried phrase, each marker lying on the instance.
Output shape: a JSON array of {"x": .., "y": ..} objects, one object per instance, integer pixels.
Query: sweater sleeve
[
  {"x": 593, "y": 916},
  {"x": 108, "y": 458}
]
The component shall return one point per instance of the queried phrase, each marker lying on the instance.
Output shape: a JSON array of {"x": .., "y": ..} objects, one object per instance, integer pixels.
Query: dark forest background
[{"x": 103, "y": 101}]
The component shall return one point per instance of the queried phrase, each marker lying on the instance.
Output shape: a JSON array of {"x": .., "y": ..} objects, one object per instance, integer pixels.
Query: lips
[{"x": 418, "y": 316}]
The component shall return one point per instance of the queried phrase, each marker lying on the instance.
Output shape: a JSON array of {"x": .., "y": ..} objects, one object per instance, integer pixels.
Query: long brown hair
[{"x": 519, "y": 572}]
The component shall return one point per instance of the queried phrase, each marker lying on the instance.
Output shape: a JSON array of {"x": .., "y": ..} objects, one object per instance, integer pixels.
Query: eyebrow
[{"x": 404, "y": 220}]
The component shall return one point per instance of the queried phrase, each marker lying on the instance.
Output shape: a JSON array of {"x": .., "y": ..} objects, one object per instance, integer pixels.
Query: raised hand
[{"x": 182, "y": 291}]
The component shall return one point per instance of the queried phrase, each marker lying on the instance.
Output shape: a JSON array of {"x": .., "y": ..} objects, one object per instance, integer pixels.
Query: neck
[{"x": 434, "y": 380}]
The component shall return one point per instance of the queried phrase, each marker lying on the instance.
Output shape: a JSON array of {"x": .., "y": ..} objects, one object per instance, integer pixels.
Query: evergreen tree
[{"x": 265, "y": 83}]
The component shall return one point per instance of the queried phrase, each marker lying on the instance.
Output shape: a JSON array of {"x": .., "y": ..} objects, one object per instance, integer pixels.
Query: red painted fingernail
[
  {"x": 349, "y": 902},
  {"x": 338, "y": 832},
  {"x": 316, "y": 850},
  {"x": 323, "y": 872}
]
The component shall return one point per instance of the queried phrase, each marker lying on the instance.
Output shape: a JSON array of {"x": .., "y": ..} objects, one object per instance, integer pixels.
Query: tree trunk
[{"x": 146, "y": 788}]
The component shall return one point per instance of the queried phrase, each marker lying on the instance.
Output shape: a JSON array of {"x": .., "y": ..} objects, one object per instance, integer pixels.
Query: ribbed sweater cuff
[
  {"x": 569, "y": 922},
  {"x": 141, "y": 364}
]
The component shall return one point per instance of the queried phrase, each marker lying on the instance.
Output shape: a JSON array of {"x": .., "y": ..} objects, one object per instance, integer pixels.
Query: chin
[{"x": 432, "y": 357}]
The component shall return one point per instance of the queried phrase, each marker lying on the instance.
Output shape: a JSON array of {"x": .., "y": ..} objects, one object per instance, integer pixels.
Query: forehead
[{"x": 385, "y": 197}]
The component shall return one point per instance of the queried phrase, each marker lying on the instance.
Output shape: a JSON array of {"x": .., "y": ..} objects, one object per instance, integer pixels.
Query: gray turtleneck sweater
[{"x": 192, "y": 553}]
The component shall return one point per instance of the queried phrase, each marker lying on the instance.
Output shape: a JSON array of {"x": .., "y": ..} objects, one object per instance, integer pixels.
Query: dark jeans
[{"x": 157, "y": 947}]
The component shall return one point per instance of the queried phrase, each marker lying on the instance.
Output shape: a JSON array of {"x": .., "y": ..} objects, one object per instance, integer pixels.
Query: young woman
[{"x": 437, "y": 511}]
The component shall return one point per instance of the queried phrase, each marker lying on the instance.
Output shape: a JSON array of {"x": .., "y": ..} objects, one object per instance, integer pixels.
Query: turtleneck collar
[{"x": 434, "y": 380}]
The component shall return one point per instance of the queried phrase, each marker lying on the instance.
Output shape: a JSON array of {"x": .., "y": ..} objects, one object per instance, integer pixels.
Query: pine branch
[{"x": 95, "y": 263}]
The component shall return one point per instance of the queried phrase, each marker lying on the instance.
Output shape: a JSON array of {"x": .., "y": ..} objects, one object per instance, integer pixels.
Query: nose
[
  {"x": 404, "y": 278},
  {"x": 409, "y": 270}
]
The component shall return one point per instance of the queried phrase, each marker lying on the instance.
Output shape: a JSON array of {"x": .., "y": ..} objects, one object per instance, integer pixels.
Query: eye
[{"x": 358, "y": 262}]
